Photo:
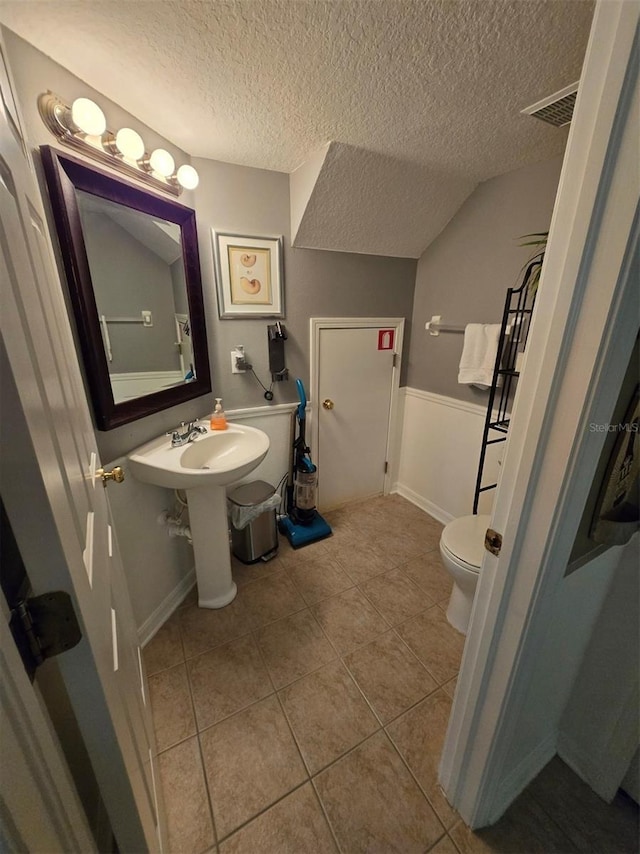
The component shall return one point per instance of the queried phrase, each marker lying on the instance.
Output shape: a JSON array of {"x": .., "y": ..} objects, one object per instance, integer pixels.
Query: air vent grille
[{"x": 557, "y": 109}]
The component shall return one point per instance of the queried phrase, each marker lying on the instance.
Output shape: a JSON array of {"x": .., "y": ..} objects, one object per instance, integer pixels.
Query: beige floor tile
[
  {"x": 173, "y": 718},
  {"x": 343, "y": 537},
  {"x": 293, "y": 647},
  {"x": 243, "y": 573},
  {"x": 349, "y": 620},
  {"x": 268, "y": 599},
  {"x": 396, "y": 548},
  {"x": 396, "y": 596},
  {"x": 373, "y": 803},
  {"x": 187, "y": 806},
  {"x": 328, "y": 714},
  {"x": 419, "y": 736},
  {"x": 289, "y": 556},
  {"x": 165, "y": 647},
  {"x": 319, "y": 579},
  {"x": 251, "y": 760},
  {"x": 430, "y": 575},
  {"x": 524, "y": 828},
  {"x": 295, "y": 825},
  {"x": 450, "y": 687},
  {"x": 362, "y": 562},
  {"x": 444, "y": 846},
  {"x": 436, "y": 643},
  {"x": 226, "y": 679},
  {"x": 205, "y": 628},
  {"x": 390, "y": 676}
]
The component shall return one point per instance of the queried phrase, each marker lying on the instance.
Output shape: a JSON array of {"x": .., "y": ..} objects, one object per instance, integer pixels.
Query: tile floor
[{"x": 309, "y": 715}]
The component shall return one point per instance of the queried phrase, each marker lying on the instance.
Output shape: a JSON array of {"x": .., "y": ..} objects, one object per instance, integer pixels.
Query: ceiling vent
[{"x": 557, "y": 109}]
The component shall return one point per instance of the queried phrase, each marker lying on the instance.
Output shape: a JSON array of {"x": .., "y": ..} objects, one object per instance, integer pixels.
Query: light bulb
[
  {"x": 130, "y": 144},
  {"x": 187, "y": 177},
  {"x": 88, "y": 116},
  {"x": 162, "y": 162}
]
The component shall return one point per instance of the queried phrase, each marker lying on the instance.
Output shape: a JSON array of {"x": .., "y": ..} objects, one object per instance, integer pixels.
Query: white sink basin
[
  {"x": 216, "y": 458},
  {"x": 203, "y": 468}
]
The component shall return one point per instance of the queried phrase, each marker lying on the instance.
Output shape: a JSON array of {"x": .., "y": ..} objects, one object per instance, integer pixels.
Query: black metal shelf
[{"x": 516, "y": 317}]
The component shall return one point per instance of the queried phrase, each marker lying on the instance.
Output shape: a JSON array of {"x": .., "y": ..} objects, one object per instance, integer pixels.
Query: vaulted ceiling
[{"x": 419, "y": 99}]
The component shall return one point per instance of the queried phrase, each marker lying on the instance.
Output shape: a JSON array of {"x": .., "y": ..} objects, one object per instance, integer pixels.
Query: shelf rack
[{"x": 514, "y": 330}]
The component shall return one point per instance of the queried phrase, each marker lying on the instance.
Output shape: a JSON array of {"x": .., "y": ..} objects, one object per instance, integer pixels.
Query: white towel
[{"x": 479, "y": 354}]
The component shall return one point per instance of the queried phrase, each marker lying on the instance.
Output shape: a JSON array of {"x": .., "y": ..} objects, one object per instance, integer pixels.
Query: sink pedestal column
[{"x": 210, "y": 534}]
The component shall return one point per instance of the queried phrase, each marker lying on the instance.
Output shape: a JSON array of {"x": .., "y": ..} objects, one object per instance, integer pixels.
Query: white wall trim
[
  {"x": 423, "y": 503},
  {"x": 443, "y": 400},
  {"x": 165, "y": 609},
  {"x": 260, "y": 411}
]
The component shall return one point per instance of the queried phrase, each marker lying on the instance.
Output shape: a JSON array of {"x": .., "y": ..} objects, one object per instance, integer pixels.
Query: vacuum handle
[{"x": 303, "y": 400}]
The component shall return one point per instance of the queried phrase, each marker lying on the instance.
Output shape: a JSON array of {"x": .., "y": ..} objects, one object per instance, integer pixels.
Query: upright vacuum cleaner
[{"x": 303, "y": 524}]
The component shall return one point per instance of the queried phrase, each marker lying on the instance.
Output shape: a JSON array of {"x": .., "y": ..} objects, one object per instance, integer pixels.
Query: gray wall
[
  {"x": 464, "y": 274},
  {"x": 255, "y": 202},
  {"x": 245, "y": 201},
  {"x": 127, "y": 279}
]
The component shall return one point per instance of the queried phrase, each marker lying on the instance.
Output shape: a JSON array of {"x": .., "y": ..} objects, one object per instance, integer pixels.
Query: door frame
[
  {"x": 583, "y": 331},
  {"x": 316, "y": 325}
]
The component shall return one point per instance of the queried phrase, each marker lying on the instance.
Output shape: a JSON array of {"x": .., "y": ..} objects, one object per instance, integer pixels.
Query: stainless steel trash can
[{"x": 259, "y": 539}]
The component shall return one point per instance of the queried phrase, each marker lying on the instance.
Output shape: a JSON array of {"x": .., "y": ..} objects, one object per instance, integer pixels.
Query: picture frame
[{"x": 249, "y": 275}]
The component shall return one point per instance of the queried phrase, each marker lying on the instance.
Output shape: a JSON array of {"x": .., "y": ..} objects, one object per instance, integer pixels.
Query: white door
[
  {"x": 58, "y": 509},
  {"x": 355, "y": 375},
  {"x": 35, "y": 777}
]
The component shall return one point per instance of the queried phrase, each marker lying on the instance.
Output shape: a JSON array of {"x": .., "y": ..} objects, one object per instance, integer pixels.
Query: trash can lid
[{"x": 250, "y": 494}]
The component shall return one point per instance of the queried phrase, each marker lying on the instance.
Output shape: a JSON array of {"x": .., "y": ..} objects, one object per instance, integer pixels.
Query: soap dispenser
[{"x": 218, "y": 419}]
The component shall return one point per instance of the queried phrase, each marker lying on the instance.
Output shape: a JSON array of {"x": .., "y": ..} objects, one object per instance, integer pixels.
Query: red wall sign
[{"x": 386, "y": 338}]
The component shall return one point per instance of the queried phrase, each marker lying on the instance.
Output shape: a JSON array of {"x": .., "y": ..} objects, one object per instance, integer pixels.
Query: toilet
[{"x": 462, "y": 549}]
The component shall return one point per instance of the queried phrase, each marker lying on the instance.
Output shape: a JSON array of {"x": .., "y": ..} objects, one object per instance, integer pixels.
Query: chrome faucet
[{"x": 191, "y": 432}]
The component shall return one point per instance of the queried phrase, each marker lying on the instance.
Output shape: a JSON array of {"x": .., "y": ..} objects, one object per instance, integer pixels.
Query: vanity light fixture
[
  {"x": 162, "y": 162},
  {"x": 88, "y": 117},
  {"x": 187, "y": 177},
  {"x": 83, "y": 126},
  {"x": 129, "y": 144}
]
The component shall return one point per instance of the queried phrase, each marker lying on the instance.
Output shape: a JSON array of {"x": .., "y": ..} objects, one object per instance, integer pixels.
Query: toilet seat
[{"x": 463, "y": 540}]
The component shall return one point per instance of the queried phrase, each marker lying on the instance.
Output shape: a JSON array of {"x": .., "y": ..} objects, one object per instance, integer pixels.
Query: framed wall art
[{"x": 249, "y": 275}]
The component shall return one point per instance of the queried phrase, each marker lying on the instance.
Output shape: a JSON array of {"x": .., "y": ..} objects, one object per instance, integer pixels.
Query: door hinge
[
  {"x": 44, "y": 626},
  {"x": 386, "y": 467},
  {"x": 395, "y": 360},
  {"x": 493, "y": 541}
]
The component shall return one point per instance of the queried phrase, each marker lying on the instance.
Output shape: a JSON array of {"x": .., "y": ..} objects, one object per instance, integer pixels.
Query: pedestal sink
[{"x": 203, "y": 468}]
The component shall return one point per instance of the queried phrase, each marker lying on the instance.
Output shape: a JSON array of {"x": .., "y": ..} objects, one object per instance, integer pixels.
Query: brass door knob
[
  {"x": 328, "y": 404},
  {"x": 116, "y": 474}
]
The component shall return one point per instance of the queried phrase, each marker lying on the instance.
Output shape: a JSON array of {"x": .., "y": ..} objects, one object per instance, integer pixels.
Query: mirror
[{"x": 133, "y": 272}]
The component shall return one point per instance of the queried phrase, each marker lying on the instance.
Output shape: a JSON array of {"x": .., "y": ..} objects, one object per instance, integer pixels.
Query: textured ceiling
[{"x": 422, "y": 98}]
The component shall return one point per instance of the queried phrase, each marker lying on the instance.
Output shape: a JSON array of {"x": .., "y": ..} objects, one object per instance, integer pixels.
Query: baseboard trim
[
  {"x": 166, "y": 608},
  {"x": 428, "y": 506},
  {"x": 524, "y": 772}
]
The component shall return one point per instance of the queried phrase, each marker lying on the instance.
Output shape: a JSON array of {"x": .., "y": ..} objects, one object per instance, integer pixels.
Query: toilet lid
[{"x": 464, "y": 538}]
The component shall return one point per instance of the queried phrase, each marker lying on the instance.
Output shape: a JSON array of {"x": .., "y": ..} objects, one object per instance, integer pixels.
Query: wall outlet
[{"x": 236, "y": 354}]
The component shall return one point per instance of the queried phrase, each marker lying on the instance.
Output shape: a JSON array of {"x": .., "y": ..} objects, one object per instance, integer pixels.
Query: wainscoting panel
[{"x": 439, "y": 454}]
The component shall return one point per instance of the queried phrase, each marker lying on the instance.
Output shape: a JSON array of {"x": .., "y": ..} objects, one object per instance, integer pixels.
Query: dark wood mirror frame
[{"x": 64, "y": 175}]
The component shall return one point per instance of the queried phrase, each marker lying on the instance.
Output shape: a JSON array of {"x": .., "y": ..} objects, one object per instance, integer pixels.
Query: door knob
[
  {"x": 116, "y": 474},
  {"x": 328, "y": 404}
]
